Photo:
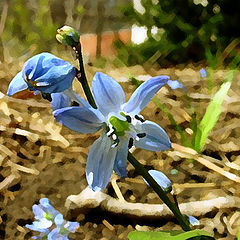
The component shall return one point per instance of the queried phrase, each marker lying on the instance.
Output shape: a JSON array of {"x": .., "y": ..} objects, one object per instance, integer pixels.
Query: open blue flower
[
  {"x": 50, "y": 222},
  {"x": 43, "y": 72},
  {"x": 122, "y": 126}
]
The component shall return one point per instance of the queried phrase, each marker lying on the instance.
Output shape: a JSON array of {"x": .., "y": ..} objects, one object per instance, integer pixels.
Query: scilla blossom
[
  {"x": 50, "y": 223},
  {"x": 45, "y": 73},
  {"x": 121, "y": 123}
]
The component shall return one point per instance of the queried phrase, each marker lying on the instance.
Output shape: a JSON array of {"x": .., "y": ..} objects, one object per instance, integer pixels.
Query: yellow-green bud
[{"x": 68, "y": 36}]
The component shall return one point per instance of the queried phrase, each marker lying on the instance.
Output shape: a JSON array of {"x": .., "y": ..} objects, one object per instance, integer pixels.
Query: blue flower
[
  {"x": 50, "y": 222},
  {"x": 43, "y": 72},
  {"x": 122, "y": 126},
  {"x": 161, "y": 179},
  {"x": 203, "y": 73}
]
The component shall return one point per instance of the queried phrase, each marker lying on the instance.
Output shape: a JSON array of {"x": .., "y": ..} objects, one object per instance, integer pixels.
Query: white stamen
[
  {"x": 114, "y": 136},
  {"x": 111, "y": 130}
]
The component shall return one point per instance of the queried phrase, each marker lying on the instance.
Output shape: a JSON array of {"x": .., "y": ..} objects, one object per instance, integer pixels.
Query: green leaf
[
  {"x": 212, "y": 113},
  {"x": 168, "y": 235}
]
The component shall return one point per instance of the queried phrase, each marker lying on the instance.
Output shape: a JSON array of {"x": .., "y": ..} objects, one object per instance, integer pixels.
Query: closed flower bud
[
  {"x": 68, "y": 36},
  {"x": 45, "y": 73}
]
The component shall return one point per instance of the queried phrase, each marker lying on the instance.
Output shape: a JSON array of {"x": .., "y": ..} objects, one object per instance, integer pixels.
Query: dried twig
[
  {"x": 88, "y": 199},
  {"x": 190, "y": 153}
]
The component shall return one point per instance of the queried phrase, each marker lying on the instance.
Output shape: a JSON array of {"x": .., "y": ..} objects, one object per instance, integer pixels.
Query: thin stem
[
  {"x": 81, "y": 76},
  {"x": 143, "y": 172}
]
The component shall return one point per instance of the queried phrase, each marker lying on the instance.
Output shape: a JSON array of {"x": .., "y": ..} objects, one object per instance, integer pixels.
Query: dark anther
[
  {"x": 130, "y": 144},
  {"x": 47, "y": 96},
  {"x": 128, "y": 118},
  {"x": 115, "y": 143},
  {"x": 141, "y": 135},
  {"x": 139, "y": 118},
  {"x": 74, "y": 104}
]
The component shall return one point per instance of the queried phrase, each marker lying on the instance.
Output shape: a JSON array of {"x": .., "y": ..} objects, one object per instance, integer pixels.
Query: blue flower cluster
[
  {"x": 50, "y": 223},
  {"x": 120, "y": 121}
]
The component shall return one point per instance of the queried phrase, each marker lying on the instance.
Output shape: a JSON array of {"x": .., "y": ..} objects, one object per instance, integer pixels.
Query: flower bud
[
  {"x": 68, "y": 36},
  {"x": 161, "y": 179},
  {"x": 45, "y": 73}
]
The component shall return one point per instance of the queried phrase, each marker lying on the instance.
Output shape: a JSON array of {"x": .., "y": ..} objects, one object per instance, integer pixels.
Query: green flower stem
[
  {"x": 144, "y": 173},
  {"x": 138, "y": 166},
  {"x": 81, "y": 76}
]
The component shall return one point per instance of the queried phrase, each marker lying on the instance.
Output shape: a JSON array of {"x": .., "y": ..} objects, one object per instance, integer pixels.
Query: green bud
[{"x": 68, "y": 36}]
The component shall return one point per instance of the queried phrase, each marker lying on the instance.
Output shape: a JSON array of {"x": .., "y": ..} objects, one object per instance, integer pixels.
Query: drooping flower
[
  {"x": 50, "y": 222},
  {"x": 45, "y": 73},
  {"x": 122, "y": 126},
  {"x": 161, "y": 179}
]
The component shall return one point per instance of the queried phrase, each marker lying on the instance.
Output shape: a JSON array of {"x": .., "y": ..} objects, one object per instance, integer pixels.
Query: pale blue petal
[
  {"x": 100, "y": 163},
  {"x": 108, "y": 94},
  {"x": 161, "y": 179},
  {"x": 40, "y": 226},
  {"x": 38, "y": 212},
  {"x": 54, "y": 234},
  {"x": 193, "y": 221},
  {"x": 59, "y": 219},
  {"x": 71, "y": 226},
  {"x": 60, "y": 100},
  {"x": 156, "y": 138},
  {"x": 121, "y": 158},
  {"x": 143, "y": 94},
  {"x": 174, "y": 84},
  {"x": 80, "y": 119},
  {"x": 17, "y": 85},
  {"x": 203, "y": 73}
]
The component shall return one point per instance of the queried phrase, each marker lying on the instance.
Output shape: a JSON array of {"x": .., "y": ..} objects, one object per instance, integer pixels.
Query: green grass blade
[{"x": 212, "y": 113}]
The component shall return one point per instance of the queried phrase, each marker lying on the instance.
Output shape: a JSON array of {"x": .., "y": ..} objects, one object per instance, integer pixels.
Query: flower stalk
[
  {"x": 138, "y": 166},
  {"x": 81, "y": 76}
]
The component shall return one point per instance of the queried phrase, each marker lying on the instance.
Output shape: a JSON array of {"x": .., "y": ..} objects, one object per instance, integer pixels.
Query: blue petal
[
  {"x": 100, "y": 163},
  {"x": 203, "y": 73},
  {"x": 59, "y": 219},
  {"x": 161, "y": 179},
  {"x": 71, "y": 226},
  {"x": 48, "y": 73},
  {"x": 108, "y": 93},
  {"x": 174, "y": 84},
  {"x": 17, "y": 85},
  {"x": 60, "y": 100},
  {"x": 38, "y": 212},
  {"x": 40, "y": 226},
  {"x": 193, "y": 221},
  {"x": 121, "y": 158},
  {"x": 80, "y": 119},
  {"x": 156, "y": 138},
  {"x": 143, "y": 94},
  {"x": 54, "y": 234}
]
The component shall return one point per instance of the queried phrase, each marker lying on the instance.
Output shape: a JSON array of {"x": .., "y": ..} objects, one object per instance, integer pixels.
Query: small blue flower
[
  {"x": 43, "y": 72},
  {"x": 203, "y": 73},
  {"x": 161, "y": 179},
  {"x": 122, "y": 126},
  {"x": 50, "y": 222}
]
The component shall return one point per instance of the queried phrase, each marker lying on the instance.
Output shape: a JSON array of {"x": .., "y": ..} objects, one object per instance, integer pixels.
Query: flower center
[{"x": 118, "y": 125}]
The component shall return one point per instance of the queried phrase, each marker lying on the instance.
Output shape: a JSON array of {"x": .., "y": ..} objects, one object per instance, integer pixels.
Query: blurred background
[{"x": 166, "y": 32}]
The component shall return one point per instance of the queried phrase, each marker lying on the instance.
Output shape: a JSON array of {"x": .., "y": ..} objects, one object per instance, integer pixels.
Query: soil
[{"x": 40, "y": 158}]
